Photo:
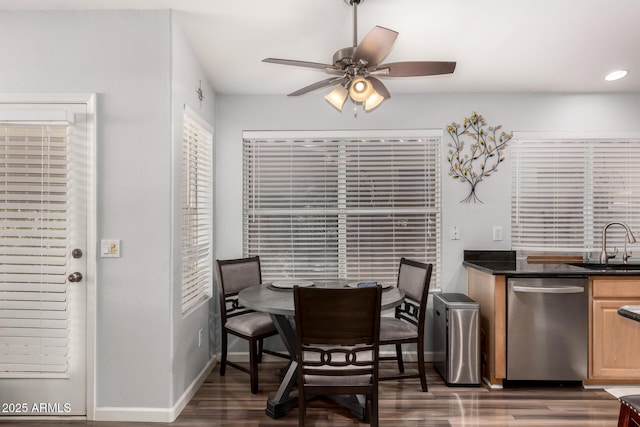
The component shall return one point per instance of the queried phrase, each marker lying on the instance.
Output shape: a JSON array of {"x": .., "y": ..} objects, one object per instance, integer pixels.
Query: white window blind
[
  {"x": 341, "y": 206},
  {"x": 565, "y": 191},
  {"x": 616, "y": 189},
  {"x": 34, "y": 227},
  {"x": 197, "y": 212}
]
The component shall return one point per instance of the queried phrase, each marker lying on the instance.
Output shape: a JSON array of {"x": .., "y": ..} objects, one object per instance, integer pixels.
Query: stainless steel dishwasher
[{"x": 547, "y": 327}]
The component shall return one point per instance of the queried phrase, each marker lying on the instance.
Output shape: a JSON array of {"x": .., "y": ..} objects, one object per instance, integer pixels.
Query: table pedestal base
[
  {"x": 354, "y": 403},
  {"x": 278, "y": 409},
  {"x": 285, "y": 398}
]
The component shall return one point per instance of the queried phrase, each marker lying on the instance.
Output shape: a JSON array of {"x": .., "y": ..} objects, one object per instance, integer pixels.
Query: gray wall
[
  {"x": 188, "y": 359},
  {"x": 143, "y": 72},
  {"x": 515, "y": 112}
]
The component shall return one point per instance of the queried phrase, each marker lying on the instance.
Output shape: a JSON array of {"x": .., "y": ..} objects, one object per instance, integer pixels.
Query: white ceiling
[{"x": 499, "y": 45}]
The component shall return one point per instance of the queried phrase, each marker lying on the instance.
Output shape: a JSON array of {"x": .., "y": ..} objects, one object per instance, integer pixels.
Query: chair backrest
[
  {"x": 338, "y": 330},
  {"x": 414, "y": 278},
  {"x": 235, "y": 275}
]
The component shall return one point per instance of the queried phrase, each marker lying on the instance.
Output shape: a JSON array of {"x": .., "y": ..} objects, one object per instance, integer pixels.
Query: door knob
[{"x": 75, "y": 277}]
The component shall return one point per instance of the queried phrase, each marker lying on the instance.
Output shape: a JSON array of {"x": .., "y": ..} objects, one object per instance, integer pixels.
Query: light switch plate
[
  {"x": 110, "y": 248},
  {"x": 454, "y": 233},
  {"x": 497, "y": 233}
]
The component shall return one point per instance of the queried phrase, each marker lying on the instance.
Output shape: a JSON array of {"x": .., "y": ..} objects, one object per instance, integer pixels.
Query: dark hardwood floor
[{"x": 227, "y": 401}]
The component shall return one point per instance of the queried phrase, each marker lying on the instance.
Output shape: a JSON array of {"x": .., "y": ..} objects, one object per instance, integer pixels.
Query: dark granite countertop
[
  {"x": 505, "y": 263},
  {"x": 523, "y": 268},
  {"x": 630, "y": 311}
]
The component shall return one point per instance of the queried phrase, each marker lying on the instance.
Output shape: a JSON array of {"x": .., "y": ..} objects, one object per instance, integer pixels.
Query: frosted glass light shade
[
  {"x": 373, "y": 101},
  {"x": 360, "y": 89},
  {"x": 337, "y": 97}
]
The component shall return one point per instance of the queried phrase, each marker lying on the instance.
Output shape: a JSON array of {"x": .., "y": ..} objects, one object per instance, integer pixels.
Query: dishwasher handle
[{"x": 549, "y": 289}]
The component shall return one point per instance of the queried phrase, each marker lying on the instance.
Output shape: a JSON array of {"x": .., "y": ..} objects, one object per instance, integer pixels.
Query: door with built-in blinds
[{"x": 43, "y": 209}]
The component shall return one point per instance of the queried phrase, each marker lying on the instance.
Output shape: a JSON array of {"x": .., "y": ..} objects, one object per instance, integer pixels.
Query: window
[
  {"x": 35, "y": 227},
  {"x": 347, "y": 205},
  {"x": 566, "y": 190},
  {"x": 197, "y": 212}
]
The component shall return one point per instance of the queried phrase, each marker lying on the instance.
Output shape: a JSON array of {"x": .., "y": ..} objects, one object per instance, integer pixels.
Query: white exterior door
[{"x": 43, "y": 258}]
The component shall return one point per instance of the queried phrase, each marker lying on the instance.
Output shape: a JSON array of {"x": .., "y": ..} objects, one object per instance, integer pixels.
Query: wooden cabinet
[
  {"x": 489, "y": 292},
  {"x": 614, "y": 341}
]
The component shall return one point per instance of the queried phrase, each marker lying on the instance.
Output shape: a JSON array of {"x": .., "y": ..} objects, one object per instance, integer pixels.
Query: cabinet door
[{"x": 616, "y": 341}]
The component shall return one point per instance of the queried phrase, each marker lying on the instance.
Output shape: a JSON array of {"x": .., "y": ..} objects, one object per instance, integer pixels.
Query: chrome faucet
[{"x": 604, "y": 255}]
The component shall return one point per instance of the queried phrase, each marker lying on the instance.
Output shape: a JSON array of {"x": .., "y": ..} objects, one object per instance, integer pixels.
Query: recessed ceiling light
[{"x": 615, "y": 75}]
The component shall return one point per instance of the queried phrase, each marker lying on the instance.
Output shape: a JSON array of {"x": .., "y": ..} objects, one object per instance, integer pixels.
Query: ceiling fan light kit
[
  {"x": 373, "y": 101},
  {"x": 337, "y": 97},
  {"x": 357, "y": 67},
  {"x": 361, "y": 92},
  {"x": 360, "y": 89}
]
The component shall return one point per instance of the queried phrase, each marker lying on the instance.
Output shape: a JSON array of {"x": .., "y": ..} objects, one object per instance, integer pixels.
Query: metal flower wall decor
[{"x": 483, "y": 155}]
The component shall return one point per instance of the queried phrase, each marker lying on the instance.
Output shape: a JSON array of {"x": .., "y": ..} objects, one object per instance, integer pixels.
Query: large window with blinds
[
  {"x": 344, "y": 204},
  {"x": 564, "y": 191},
  {"x": 197, "y": 212}
]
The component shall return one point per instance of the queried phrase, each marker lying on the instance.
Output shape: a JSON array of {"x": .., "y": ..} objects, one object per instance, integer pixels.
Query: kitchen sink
[{"x": 598, "y": 266}]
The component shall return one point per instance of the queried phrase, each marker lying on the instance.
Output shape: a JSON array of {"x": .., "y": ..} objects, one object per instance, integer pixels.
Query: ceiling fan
[{"x": 357, "y": 69}]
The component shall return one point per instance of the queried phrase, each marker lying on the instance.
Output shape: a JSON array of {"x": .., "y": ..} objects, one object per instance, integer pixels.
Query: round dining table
[{"x": 278, "y": 302}]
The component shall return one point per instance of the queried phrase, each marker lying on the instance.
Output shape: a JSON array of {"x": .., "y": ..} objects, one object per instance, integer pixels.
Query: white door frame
[{"x": 88, "y": 99}]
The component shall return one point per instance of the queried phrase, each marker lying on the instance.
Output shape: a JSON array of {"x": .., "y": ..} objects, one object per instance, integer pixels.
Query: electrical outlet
[
  {"x": 200, "y": 333},
  {"x": 497, "y": 233},
  {"x": 454, "y": 234}
]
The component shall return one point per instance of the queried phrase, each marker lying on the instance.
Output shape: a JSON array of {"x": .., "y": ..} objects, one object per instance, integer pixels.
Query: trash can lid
[{"x": 458, "y": 300}]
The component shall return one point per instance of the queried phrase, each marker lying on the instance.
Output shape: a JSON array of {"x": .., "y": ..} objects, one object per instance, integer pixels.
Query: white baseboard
[
  {"x": 490, "y": 385},
  {"x": 160, "y": 415},
  {"x": 152, "y": 415}
]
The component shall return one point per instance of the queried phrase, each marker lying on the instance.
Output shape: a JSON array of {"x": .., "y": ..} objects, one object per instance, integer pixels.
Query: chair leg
[
  {"x": 421, "y": 369},
  {"x": 302, "y": 406},
  {"x": 399, "y": 357},
  {"x": 624, "y": 416},
  {"x": 373, "y": 417},
  {"x": 260, "y": 351},
  {"x": 253, "y": 365},
  {"x": 223, "y": 356}
]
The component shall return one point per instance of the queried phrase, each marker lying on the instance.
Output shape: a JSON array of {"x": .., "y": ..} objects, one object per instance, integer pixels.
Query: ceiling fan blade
[
  {"x": 379, "y": 87},
  {"x": 375, "y": 46},
  {"x": 417, "y": 68},
  {"x": 317, "y": 85},
  {"x": 295, "y": 63}
]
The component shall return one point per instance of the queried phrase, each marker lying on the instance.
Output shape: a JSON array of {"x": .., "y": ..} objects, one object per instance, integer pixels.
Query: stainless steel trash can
[{"x": 456, "y": 337}]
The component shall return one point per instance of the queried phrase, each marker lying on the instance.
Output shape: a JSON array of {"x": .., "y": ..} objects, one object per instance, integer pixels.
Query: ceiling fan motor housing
[{"x": 343, "y": 57}]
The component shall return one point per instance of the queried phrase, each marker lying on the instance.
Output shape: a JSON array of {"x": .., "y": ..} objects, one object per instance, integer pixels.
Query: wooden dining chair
[
  {"x": 408, "y": 324},
  {"x": 629, "y": 411},
  {"x": 235, "y": 275},
  {"x": 337, "y": 332}
]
